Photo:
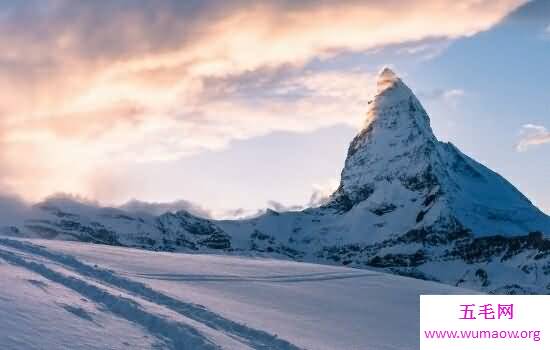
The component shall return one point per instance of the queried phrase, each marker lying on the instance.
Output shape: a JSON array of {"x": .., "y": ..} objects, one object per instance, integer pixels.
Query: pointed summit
[
  {"x": 395, "y": 146},
  {"x": 387, "y": 73},
  {"x": 390, "y": 90},
  {"x": 386, "y": 79},
  {"x": 395, "y": 108}
]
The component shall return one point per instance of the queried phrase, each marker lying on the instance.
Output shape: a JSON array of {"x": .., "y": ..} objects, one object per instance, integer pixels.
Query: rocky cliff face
[{"x": 407, "y": 203}]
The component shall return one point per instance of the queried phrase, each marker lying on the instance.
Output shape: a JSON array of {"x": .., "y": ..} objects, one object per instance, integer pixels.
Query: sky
[{"x": 239, "y": 105}]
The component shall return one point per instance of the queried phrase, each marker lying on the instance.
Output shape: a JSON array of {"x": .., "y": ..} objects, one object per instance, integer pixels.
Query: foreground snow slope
[{"x": 69, "y": 295}]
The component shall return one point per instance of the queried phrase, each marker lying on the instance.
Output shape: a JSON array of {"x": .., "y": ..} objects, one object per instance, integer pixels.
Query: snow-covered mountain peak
[
  {"x": 396, "y": 145},
  {"x": 396, "y": 165},
  {"x": 395, "y": 102},
  {"x": 386, "y": 78}
]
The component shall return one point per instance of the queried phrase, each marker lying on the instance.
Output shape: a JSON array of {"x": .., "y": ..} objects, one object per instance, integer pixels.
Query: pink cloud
[
  {"x": 532, "y": 136},
  {"x": 94, "y": 85}
]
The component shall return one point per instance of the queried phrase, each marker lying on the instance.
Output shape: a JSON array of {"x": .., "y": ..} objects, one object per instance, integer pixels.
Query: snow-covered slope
[
  {"x": 104, "y": 297},
  {"x": 407, "y": 203}
]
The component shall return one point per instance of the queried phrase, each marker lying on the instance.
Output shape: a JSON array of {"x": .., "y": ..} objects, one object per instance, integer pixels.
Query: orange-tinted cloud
[{"x": 91, "y": 85}]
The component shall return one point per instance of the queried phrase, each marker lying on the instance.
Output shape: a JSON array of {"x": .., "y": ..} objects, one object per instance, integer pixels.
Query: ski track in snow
[
  {"x": 177, "y": 335},
  {"x": 310, "y": 277}
]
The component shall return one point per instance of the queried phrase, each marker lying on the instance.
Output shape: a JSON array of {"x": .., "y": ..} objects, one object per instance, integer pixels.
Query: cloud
[
  {"x": 322, "y": 192},
  {"x": 532, "y": 135},
  {"x": 13, "y": 211},
  {"x": 451, "y": 98},
  {"x": 441, "y": 94},
  {"x": 156, "y": 209},
  {"x": 94, "y": 85},
  {"x": 280, "y": 207},
  {"x": 319, "y": 196},
  {"x": 424, "y": 50},
  {"x": 454, "y": 93}
]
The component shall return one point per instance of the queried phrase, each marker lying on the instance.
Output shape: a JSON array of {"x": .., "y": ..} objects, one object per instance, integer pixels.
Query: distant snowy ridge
[{"x": 407, "y": 203}]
